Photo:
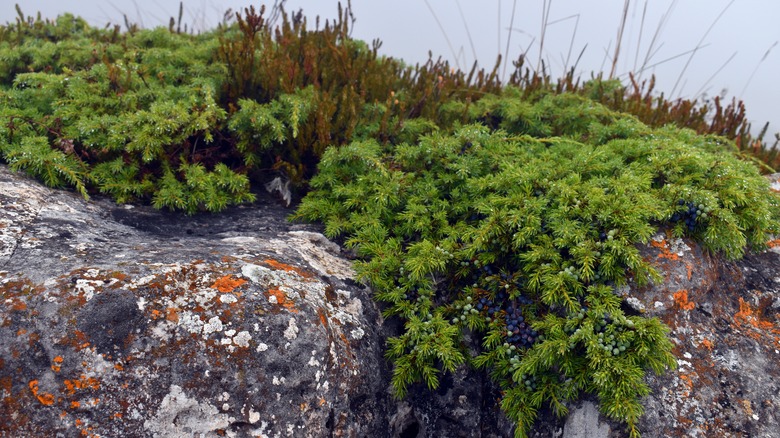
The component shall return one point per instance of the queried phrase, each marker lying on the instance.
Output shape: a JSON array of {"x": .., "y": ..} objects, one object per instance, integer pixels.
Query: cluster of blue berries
[
  {"x": 491, "y": 307},
  {"x": 518, "y": 331},
  {"x": 690, "y": 215}
]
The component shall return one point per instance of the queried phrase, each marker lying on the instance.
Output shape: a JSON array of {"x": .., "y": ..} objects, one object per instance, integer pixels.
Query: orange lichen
[
  {"x": 284, "y": 267},
  {"x": 20, "y": 332},
  {"x": 44, "y": 398},
  {"x": 118, "y": 367},
  {"x": 172, "y": 314},
  {"x": 746, "y": 315},
  {"x": 687, "y": 380},
  {"x": 706, "y": 343},
  {"x": 79, "y": 340},
  {"x": 156, "y": 314},
  {"x": 227, "y": 284},
  {"x": 18, "y": 305},
  {"x": 663, "y": 248},
  {"x": 773, "y": 243},
  {"x": 281, "y": 299},
  {"x": 56, "y": 364},
  {"x": 323, "y": 317},
  {"x": 83, "y": 382},
  {"x": 681, "y": 300},
  {"x": 119, "y": 276},
  {"x": 75, "y": 405}
]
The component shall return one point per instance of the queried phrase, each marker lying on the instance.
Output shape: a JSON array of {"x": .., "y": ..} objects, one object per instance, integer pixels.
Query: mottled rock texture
[
  {"x": 126, "y": 321},
  {"x": 726, "y": 331}
]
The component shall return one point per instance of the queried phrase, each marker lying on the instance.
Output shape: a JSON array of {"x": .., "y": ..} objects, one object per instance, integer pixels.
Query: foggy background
[{"x": 695, "y": 48}]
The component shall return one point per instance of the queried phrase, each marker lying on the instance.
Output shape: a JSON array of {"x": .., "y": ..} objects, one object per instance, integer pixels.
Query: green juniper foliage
[
  {"x": 522, "y": 230},
  {"x": 184, "y": 121}
]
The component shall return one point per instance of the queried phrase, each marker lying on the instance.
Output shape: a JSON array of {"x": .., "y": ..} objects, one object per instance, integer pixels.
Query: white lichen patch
[
  {"x": 679, "y": 247},
  {"x": 87, "y": 287},
  {"x": 242, "y": 339},
  {"x": 635, "y": 304},
  {"x": 190, "y": 322},
  {"x": 313, "y": 362},
  {"x": 325, "y": 385},
  {"x": 357, "y": 333},
  {"x": 163, "y": 330},
  {"x": 145, "y": 280},
  {"x": 321, "y": 254},
  {"x": 228, "y": 298},
  {"x": 92, "y": 273},
  {"x": 268, "y": 277},
  {"x": 261, "y": 347},
  {"x": 254, "y": 416},
  {"x": 214, "y": 325},
  {"x": 141, "y": 303},
  {"x": 179, "y": 415},
  {"x": 292, "y": 330}
]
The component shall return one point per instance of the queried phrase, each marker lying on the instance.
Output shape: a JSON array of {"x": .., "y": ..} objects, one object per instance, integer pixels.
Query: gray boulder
[{"x": 127, "y": 321}]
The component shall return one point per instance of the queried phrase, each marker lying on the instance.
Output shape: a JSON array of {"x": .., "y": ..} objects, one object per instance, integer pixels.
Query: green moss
[{"x": 539, "y": 218}]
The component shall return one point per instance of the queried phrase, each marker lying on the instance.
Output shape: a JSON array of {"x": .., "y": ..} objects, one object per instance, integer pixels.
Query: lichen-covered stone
[
  {"x": 724, "y": 324},
  {"x": 126, "y": 321}
]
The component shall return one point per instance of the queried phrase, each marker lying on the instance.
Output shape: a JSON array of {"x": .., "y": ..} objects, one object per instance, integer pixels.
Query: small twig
[
  {"x": 444, "y": 33},
  {"x": 619, "y": 38},
  {"x": 508, "y": 39},
  {"x": 698, "y": 46},
  {"x": 698, "y": 93},
  {"x": 763, "y": 58},
  {"x": 661, "y": 24},
  {"x": 641, "y": 31},
  {"x": 545, "y": 16},
  {"x": 667, "y": 60},
  {"x": 468, "y": 32}
]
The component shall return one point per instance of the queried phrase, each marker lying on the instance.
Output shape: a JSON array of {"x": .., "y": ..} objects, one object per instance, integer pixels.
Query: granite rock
[{"x": 127, "y": 321}]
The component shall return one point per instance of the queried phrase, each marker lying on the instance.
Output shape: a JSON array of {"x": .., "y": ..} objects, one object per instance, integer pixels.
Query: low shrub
[{"x": 521, "y": 231}]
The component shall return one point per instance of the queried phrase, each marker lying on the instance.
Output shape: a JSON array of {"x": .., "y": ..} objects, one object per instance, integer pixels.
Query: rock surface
[
  {"x": 126, "y": 321},
  {"x": 725, "y": 327}
]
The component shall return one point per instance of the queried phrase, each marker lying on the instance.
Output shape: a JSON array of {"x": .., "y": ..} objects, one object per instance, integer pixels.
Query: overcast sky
[{"x": 736, "y": 39}]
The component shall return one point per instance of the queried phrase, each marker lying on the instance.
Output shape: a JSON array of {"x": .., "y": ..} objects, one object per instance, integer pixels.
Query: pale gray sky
[{"x": 736, "y": 38}]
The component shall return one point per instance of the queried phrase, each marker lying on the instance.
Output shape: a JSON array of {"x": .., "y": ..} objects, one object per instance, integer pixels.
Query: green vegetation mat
[
  {"x": 521, "y": 235},
  {"x": 510, "y": 213}
]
